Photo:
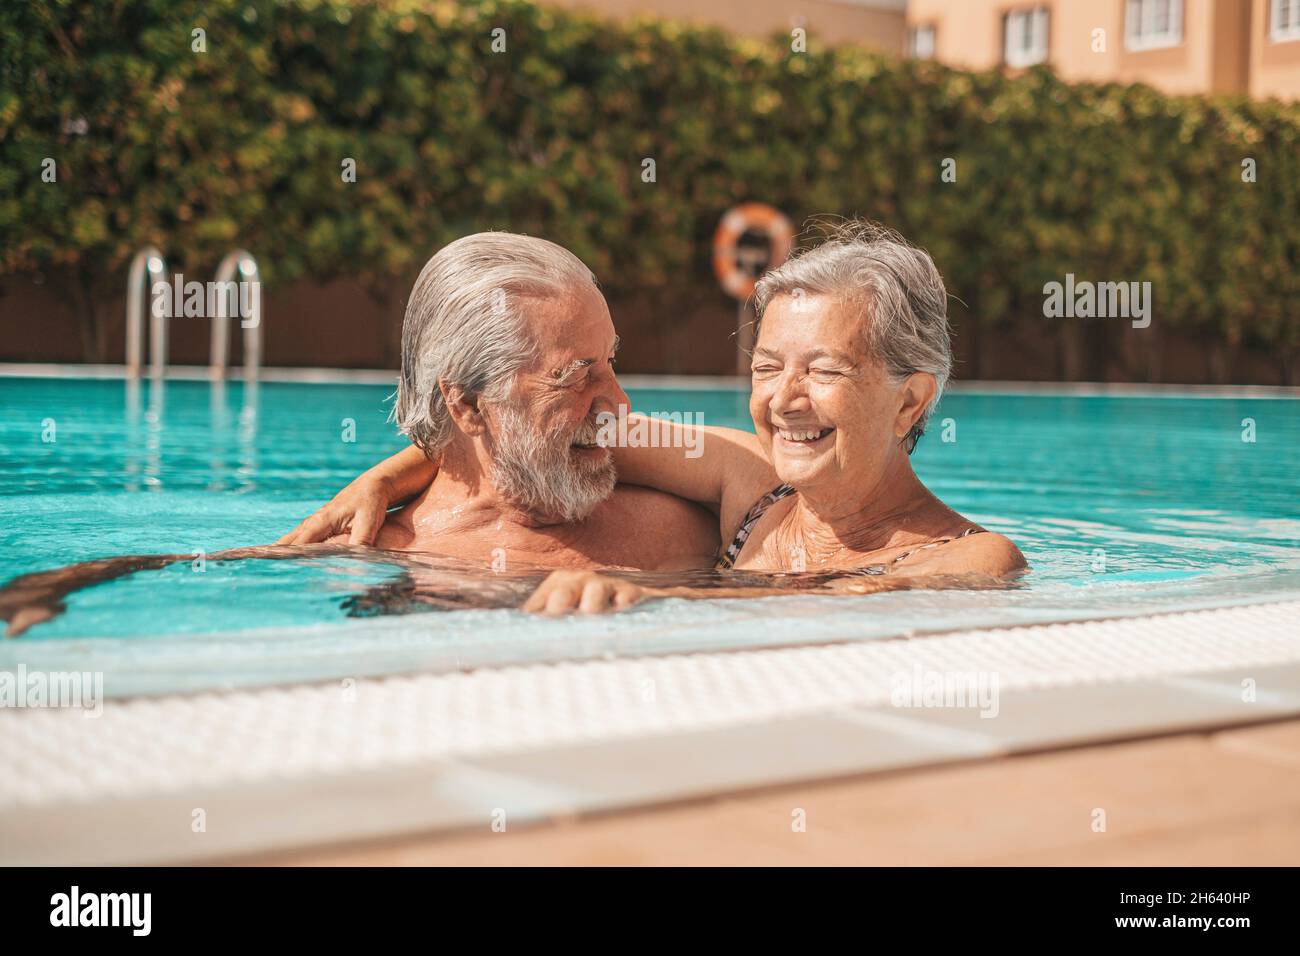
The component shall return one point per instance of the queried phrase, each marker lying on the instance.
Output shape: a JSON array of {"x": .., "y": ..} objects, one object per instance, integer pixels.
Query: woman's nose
[{"x": 790, "y": 394}]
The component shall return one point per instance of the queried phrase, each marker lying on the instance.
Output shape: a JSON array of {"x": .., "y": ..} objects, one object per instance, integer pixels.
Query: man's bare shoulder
[
  {"x": 635, "y": 501},
  {"x": 664, "y": 526}
]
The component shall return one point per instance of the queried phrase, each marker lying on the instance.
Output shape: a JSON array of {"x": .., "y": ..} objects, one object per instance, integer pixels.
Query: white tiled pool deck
[{"x": 303, "y": 765}]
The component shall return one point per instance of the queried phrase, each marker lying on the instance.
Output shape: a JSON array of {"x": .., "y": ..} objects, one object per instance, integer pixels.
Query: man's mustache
[{"x": 587, "y": 432}]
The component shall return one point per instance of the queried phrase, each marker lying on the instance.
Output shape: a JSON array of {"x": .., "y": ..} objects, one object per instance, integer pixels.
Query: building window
[
  {"x": 920, "y": 41},
  {"x": 1024, "y": 37},
  {"x": 1284, "y": 21},
  {"x": 1152, "y": 24}
]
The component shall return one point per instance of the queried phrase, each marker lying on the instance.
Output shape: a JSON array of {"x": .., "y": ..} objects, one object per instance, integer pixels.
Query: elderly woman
[{"x": 852, "y": 353}]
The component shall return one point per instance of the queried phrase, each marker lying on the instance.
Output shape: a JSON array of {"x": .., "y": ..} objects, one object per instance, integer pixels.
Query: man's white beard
[{"x": 539, "y": 474}]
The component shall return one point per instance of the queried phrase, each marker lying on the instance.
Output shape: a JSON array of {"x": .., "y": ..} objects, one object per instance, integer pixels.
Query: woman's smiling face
[{"x": 826, "y": 411}]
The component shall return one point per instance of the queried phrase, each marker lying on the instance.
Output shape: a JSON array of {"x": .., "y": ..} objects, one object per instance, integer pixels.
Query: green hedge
[{"x": 243, "y": 144}]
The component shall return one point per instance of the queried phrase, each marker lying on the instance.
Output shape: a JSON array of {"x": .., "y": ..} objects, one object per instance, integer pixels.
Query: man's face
[{"x": 544, "y": 452}]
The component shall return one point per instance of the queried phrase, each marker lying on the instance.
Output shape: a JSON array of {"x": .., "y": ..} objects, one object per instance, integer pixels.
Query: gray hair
[
  {"x": 465, "y": 325},
  {"x": 894, "y": 286}
]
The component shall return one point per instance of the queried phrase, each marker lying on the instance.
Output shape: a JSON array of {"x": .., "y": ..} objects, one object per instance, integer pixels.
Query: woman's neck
[{"x": 828, "y": 526}]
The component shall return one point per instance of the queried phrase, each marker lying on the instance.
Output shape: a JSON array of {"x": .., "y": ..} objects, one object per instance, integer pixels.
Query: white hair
[
  {"x": 464, "y": 324},
  {"x": 893, "y": 286}
]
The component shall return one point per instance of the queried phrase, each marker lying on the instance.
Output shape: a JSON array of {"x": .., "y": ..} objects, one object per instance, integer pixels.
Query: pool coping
[
  {"x": 288, "y": 767},
  {"x": 370, "y": 376}
]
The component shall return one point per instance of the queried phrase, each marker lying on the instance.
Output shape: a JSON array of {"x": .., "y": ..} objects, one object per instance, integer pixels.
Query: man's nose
[{"x": 610, "y": 395}]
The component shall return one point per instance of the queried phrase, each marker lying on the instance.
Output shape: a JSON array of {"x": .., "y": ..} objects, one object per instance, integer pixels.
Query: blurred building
[
  {"x": 881, "y": 24},
  {"x": 1249, "y": 47}
]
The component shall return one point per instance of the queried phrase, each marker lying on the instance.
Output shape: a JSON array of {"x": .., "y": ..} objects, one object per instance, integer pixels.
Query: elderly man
[{"x": 507, "y": 361}]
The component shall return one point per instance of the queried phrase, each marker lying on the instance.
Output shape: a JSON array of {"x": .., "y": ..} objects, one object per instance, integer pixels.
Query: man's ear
[
  {"x": 915, "y": 396},
  {"x": 463, "y": 408}
]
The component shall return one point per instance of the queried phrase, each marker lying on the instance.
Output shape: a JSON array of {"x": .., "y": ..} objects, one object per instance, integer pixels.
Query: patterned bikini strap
[
  {"x": 935, "y": 544},
  {"x": 729, "y": 556}
]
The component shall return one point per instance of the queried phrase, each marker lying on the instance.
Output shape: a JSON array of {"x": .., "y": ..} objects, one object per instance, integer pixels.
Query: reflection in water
[
  {"x": 245, "y": 436},
  {"x": 217, "y": 405},
  {"x": 219, "y": 419},
  {"x": 153, "y": 420},
  {"x": 133, "y": 401},
  {"x": 144, "y": 466},
  {"x": 420, "y": 582},
  {"x": 247, "y": 471},
  {"x": 131, "y": 460},
  {"x": 431, "y": 583}
]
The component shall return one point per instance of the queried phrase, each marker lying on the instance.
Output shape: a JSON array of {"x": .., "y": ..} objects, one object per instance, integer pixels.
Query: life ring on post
[{"x": 750, "y": 239}]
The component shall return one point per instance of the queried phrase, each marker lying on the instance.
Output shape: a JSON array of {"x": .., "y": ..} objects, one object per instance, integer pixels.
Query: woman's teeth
[{"x": 804, "y": 435}]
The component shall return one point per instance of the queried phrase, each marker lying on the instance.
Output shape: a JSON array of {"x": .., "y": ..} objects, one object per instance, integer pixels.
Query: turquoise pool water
[{"x": 1121, "y": 504}]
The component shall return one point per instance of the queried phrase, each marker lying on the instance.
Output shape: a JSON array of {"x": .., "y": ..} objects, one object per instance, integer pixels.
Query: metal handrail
[
  {"x": 147, "y": 267},
  {"x": 242, "y": 267}
]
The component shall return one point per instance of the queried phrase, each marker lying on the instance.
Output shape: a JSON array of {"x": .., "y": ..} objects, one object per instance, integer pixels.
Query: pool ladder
[{"x": 149, "y": 267}]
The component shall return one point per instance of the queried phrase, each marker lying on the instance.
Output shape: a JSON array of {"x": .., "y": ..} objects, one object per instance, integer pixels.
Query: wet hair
[{"x": 465, "y": 325}]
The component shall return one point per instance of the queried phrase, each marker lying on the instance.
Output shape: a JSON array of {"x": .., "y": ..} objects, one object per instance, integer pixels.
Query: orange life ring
[{"x": 751, "y": 217}]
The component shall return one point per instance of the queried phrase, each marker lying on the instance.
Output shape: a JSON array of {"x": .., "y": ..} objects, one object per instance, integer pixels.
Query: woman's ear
[
  {"x": 915, "y": 396},
  {"x": 463, "y": 408}
]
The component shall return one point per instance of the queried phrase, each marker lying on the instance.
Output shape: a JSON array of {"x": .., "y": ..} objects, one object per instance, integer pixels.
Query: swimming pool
[{"x": 1122, "y": 504}]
